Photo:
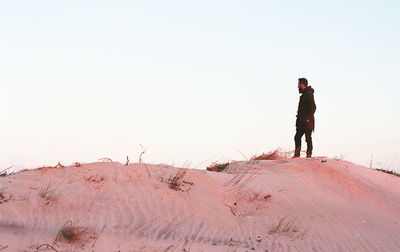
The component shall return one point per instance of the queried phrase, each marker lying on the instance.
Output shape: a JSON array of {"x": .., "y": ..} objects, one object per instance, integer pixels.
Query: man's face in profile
[{"x": 300, "y": 87}]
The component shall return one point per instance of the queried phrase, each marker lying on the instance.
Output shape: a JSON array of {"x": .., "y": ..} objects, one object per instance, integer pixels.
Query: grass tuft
[
  {"x": 177, "y": 183},
  {"x": 4, "y": 198},
  {"x": 48, "y": 194},
  {"x": 389, "y": 172},
  {"x": 276, "y": 154},
  {"x": 46, "y": 247},
  {"x": 289, "y": 228},
  {"x": 3, "y": 173},
  {"x": 217, "y": 167},
  {"x": 71, "y": 233}
]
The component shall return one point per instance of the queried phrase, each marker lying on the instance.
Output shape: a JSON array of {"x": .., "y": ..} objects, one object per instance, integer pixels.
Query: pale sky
[{"x": 196, "y": 81}]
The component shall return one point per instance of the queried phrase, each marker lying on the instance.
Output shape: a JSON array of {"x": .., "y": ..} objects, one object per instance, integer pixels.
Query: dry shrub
[
  {"x": 276, "y": 154},
  {"x": 217, "y": 167}
]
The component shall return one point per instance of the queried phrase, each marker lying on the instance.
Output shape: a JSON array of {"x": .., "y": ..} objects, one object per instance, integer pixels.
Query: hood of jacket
[{"x": 308, "y": 89}]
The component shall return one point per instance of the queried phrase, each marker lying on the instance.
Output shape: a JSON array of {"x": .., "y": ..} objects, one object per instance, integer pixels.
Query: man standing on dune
[{"x": 305, "y": 117}]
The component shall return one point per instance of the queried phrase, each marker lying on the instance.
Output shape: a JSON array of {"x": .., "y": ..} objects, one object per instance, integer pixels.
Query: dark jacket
[{"x": 306, "y": 110}]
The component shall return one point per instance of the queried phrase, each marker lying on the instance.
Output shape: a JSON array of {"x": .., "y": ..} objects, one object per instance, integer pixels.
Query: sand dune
[{"x": 279, "y": 205}]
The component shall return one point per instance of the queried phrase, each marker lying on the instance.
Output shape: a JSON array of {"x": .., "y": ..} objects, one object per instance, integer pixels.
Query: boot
[{"x": 296, "y": 153}]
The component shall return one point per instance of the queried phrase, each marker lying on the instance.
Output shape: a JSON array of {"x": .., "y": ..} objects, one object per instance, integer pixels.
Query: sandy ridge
[{"x": 282, "y": 205}]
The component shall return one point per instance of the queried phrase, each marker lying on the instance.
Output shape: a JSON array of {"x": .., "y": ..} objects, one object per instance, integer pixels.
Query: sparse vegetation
[
  {"x": 59, "y": 165},
  {"x": 283, "y": 226},
  {"x": 289, "y": 228},
  {"x": 276, "y": 154},
  {"x": 44, "y": 246},
  {"x": 141, "y": 154},
  {"x": 48, "y": 195},
  {"x": 3, "y": 173},
  {"x": 176, "y": 182},
  {"x": 241, "y": 179},
  {"x": 217, "y": 167},
  {"x": 70, "y": 233},
  {"x": 95, "y": 179},
  {"x": 3, "y": 198},
  {"x": 389, "y": 172}
]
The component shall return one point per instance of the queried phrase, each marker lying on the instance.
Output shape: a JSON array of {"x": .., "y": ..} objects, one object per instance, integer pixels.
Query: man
[{"x": 305, "y": 117}]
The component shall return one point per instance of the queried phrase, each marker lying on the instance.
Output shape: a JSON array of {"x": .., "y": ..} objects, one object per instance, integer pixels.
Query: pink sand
[{"x": 280, "y": 205}]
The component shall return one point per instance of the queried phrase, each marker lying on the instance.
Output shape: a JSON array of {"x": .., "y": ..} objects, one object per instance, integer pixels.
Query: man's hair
[{"x": 303, "y": 81}]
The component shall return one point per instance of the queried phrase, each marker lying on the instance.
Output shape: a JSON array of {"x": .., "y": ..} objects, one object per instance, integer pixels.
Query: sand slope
[{"x": 279, "y": 205}]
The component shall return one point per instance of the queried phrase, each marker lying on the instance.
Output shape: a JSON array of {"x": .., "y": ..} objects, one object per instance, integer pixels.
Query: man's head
[{"x": 303, "y": 83}]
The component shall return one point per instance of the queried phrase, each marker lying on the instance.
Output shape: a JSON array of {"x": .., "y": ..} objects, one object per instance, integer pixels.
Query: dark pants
[{"x": 297, "y": 141}]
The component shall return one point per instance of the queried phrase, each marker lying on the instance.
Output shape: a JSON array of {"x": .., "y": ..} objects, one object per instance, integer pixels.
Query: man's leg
[
  {"x": 297, "y": 142},
  {"x": 309, "y": 143}
]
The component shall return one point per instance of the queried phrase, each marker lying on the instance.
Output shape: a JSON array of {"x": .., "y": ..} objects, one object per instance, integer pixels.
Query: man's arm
[{"x": 310, "y": 106}]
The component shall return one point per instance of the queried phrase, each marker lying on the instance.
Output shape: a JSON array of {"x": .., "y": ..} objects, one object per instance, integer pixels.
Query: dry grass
[
  {"x": 48, "y": 194},
  {"x": 389, "y": 172},
  {"x": 283, "y": 226},
  {"x": 4, "y": 198},
  {"x": 4, "y": 195},
  {"x": 95, "y": 179},
  {"x": 177, "y": 183},
  {"x": 43, "y": 247},
  {"x": 289, "y": 228},
  {"x": 141, "y": 154},
  {"x": 3, "y": 173},
  {"x": 59, "y": 165},
  {"x": 70, "y": 233},
  {"x": 217, "y": 167},
  {"x": 276, "y": 154},
  {"x": 242, "y": 178}
]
